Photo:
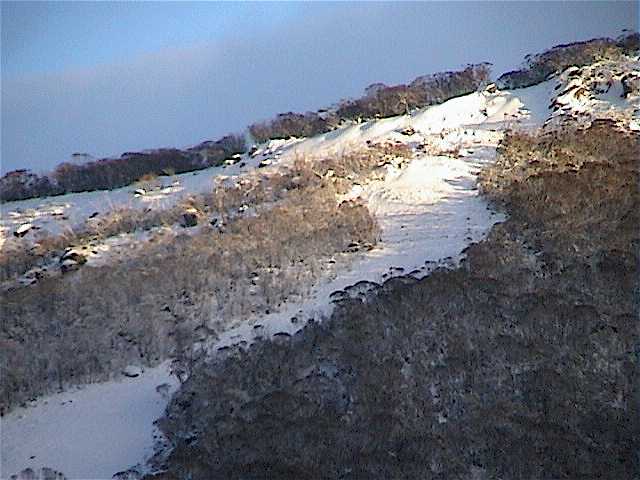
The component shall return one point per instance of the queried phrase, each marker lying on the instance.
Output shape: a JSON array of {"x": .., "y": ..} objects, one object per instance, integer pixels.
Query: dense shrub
[
  {"x": 538, "y": 67},
  {"x": 287, "y": 125},
  {"x": 23, "y": 184},
  {"x": 214, "y": 153},
  {"x": 110, "y": 173},
  {"x": 84, "y": 325},
  {"x": 383, "y": 101},
  {"x": 630, "y": 43},
  {"x": 113, "y": 173},
  {"x": 379, "y": 101}
]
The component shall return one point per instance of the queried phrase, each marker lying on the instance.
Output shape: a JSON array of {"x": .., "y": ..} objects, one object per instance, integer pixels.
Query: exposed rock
[
  {"x": 189, "y": 218},
  {"x": 132, "y": 371},
  {"x": 22, "y": 230},
  {"x": 71, "y": 260},
  {"x": 164, "y": 390}
]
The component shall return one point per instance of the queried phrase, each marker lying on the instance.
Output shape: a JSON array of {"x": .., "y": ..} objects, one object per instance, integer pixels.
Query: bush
[
  {"x": 213, "y": 154},
  {"x": 84, "y": 325},
  {"x": 110, "y": 173},
  {"x": 520, "y": 364},
  {"x": 287, "y": 125},
  {"x": 379, "y": 101},
  {"x": 23, "y": 184},
  {"x": 538, "y": 67},
  {"x": 383, "y": 101}
]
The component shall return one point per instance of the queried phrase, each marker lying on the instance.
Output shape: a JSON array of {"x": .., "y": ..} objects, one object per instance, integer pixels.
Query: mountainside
[{"x": 451, "y": 292}]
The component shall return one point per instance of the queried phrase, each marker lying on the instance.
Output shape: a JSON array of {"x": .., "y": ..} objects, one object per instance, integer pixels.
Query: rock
[
  {"x": 491, "y": 88},
  {"x": 132, "y": 371},
  {"x": 73, "y": 254},
  {"x": 71, "y": 260},
  {"x": 22, "y": 230},
  {"x": 281, "y": 338},
  {"x": 408, "y": 131},
  {"x": 189, "y": 218},
  {"x": 69, "y": 266},
  {"x": 164, "y": 389}
]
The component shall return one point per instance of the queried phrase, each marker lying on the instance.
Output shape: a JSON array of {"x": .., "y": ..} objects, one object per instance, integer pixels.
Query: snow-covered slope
[
  {"x": 55, "y": 214},
  {"x": 89, "y": 433},
  {"x": 428, "y": 212}
]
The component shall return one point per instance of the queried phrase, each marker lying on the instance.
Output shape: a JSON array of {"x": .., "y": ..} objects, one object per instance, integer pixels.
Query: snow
[
  {"x": 55, "y": 214},
  {"x": 429, "y": 212},
  {"x": 596, "y": 91},
  {"x": 86, "y": 433}
]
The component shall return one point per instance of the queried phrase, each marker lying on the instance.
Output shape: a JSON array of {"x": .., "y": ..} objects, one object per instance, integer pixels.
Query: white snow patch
[
  {"x": 428, "y": 213},
  {"x": 87, "y": 433}
]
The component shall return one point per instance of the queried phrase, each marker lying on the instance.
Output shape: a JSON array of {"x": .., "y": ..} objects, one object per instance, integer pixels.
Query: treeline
[
  {"x": 538, "y": 67},
  {"x": 109, "y": 173},
  {"x": 379, "y": 101}
]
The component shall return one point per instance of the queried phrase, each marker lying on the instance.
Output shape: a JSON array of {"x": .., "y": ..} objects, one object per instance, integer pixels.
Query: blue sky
[
  {"x": 104, "y": 77},
  {"x": 54, "y": 36}
]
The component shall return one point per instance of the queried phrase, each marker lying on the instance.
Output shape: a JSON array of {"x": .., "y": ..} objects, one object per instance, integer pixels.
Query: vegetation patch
[
  {"x": 89, "y": 323},
  {"x": 538, "y": 67},
  {"x": 519, "y": 364}
]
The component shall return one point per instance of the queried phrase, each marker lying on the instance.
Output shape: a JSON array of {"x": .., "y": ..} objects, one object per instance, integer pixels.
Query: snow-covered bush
[
  {"x": 522, "y": 363},
  {"x": 94, "y": 321}
]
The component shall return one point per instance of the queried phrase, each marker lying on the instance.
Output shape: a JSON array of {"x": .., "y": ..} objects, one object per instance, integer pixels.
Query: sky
[{"x": 109, "y": 77}]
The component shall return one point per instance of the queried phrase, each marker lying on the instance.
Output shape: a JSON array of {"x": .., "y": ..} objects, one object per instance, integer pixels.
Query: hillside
[{"x": 450, "y": 292}]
